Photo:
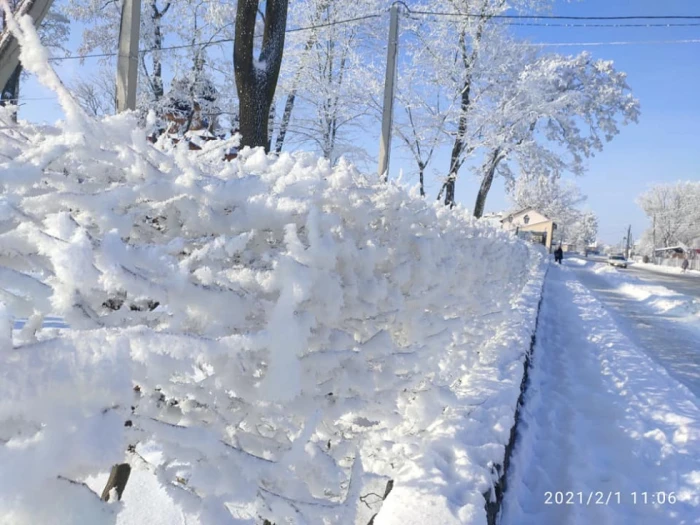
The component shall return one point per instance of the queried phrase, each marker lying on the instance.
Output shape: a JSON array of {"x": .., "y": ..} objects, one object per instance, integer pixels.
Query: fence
[{"x": 674, "y": 262}]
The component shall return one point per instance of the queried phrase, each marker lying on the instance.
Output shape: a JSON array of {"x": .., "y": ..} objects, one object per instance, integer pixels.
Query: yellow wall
[{"x": 540, "y": 227}]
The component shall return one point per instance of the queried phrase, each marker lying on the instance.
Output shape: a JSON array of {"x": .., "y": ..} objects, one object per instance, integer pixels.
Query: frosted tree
[
  {"x": 548, "y": 113},
  {"x": 298, "y": 60},
  {"x": 674, "y": 212},
  {"x": 330, "y": 79},
  {"x": 96, "y": 94},
  {"x": 584, "y": 231},
  {"x": 557, "y": 200},
  {"x": 421, "y": 107},
  {"x": 192, "y": 25},
  {"x": 455, "y": 47}
]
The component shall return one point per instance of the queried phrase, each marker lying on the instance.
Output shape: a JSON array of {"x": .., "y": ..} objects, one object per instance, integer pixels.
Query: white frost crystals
[
  {"x": 270, "y": 338},
  {"x": 285, "y": 289}
]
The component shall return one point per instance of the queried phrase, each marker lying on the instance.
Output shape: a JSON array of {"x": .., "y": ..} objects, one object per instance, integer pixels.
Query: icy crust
[{"x": 289, "y": 335}]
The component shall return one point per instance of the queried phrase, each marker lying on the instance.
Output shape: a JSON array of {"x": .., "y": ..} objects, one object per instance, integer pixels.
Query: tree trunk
[
  {"x": 291, "y": 97},
  {"x": 286, "y": 117},
  {"x": 421, "y": 170},
  {"x": 10, "y": 92},
  {"x": 157, "y": 44},
  {"x": 468, "y": 60},
  {"x": 256, "y": 79},
  {"x": 490, "y": 170}
]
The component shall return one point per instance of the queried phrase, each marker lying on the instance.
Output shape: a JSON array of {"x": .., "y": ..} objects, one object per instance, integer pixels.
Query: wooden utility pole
[
  {"x": 627, "y": 247},
  {"x": 389, "y": 89},
  {"x": 128, "y": 61}
]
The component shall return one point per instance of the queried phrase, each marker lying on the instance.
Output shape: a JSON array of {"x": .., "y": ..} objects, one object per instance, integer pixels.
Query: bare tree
[
  {"x": 96, "y": 95},
  {"x": 256, "y": 78}
]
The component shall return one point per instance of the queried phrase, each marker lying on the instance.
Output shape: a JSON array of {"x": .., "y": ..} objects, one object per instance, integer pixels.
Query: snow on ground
[
  {"x": 672, "y": 270},
  {"x": 272, "y": 338},
  {"x": 658, "y": 298},
  {"x": 606, "y": 436}
]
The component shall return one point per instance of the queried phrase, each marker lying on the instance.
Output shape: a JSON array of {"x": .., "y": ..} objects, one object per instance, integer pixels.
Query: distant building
[{"x": 530, "y": 224}]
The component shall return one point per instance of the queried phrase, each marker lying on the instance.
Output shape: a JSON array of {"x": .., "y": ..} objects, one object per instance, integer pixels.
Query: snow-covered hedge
[{"x": 272, "y": 337}]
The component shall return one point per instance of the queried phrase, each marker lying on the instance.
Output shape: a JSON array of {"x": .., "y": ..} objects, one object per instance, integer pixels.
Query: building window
[{"x": 526, "y": 219}]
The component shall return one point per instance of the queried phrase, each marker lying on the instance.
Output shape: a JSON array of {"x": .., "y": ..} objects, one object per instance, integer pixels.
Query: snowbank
[
  {"x": 271, "y": 338},
  {"x": 674, "y": 270},
  {"x": 658, "y": 298}
]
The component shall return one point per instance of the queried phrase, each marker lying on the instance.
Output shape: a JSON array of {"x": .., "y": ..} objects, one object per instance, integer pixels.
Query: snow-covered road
[
  {"x": 684, "y": 283},
  {"x": 606, "y": 435},
  {"x": 687, "y": 284},
  {"x": 665, "y": 327}
]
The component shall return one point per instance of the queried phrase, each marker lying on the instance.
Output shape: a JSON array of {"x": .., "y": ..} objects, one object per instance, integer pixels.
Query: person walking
[
  {"x": 558, "y": 254},
  {"x": 684, "y": 265}
]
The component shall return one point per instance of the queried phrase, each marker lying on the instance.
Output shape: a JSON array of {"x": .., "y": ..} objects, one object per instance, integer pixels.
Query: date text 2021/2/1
[{"x": 609, "y": 498}]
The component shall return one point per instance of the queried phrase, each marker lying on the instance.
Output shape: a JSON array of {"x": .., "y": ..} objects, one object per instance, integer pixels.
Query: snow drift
[{"x": 273, "y": 338}]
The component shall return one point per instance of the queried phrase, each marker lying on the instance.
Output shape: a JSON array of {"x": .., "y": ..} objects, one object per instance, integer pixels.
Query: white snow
[
  {"x": 655, "y": 297},
  {"x": 673, "y": 270},
  {"x": 601, "y": 419},
  {"x": 282, "y": 336}
]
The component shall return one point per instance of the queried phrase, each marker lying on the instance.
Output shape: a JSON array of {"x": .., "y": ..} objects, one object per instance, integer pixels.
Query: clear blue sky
[{"x": 663, "y": 147}]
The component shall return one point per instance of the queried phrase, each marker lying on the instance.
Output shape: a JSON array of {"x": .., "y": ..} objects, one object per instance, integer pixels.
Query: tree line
[{"x": 310, "y": 76}]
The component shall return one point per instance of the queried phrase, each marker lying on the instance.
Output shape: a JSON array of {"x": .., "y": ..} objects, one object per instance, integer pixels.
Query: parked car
[{"x": 617, "y": 260}]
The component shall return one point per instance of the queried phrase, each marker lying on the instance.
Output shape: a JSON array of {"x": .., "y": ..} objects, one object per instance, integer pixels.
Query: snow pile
[
  {"x": 658, "y": 298},
  {"x": 272, "y": 338}
]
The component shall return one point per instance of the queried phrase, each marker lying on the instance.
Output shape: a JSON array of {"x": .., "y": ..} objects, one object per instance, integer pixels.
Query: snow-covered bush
[{"x": 282, "y": 332}]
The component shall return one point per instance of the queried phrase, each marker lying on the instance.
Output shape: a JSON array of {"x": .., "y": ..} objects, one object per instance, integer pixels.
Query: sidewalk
[{"x": 605, "y": 430}]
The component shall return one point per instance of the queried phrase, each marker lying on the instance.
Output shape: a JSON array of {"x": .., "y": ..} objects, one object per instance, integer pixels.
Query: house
[
  {"x": 671, "y": 252},
  {"x": 530, "y": 224}
]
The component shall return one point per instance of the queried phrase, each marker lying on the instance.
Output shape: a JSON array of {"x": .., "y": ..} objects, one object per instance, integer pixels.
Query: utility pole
[
  {"x": 389, "y": 88},
  {"x": 653, "y": 240},
  {"x": 128, "y": 61},
  {"x": 627, "y": 247}
]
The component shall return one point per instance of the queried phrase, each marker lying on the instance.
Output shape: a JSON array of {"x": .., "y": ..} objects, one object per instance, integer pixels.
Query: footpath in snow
[{"x": 606, "y": 435}]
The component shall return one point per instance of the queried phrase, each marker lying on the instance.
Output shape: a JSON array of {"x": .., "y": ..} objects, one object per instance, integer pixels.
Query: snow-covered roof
[{"x": 524, "y": 210}]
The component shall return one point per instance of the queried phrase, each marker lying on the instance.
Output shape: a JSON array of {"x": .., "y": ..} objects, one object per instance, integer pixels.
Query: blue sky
[{"x": 663, "y": 147}]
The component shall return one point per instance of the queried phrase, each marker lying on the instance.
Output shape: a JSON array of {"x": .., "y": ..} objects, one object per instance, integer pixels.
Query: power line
[
  {"x": 620, "y": 43},
  {"x": 612, "y": 26},
  {"x": 553, "y": 17},
  {"x": 216, "y": 42}
]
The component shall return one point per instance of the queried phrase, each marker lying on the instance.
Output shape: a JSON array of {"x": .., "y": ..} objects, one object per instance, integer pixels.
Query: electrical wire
[
  {"x": 620, "y": 43},
  {"x": 511, "y": 20},
  {"x": 553, "y": 17}
]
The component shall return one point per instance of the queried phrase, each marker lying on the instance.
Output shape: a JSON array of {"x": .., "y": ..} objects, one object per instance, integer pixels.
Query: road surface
[
  {"x": 687, "y": 284},
  {"x": 672, "y": 342}
]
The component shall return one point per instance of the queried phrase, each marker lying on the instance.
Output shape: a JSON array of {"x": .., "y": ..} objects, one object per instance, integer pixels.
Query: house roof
[{"x": 524, "y": 210}]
